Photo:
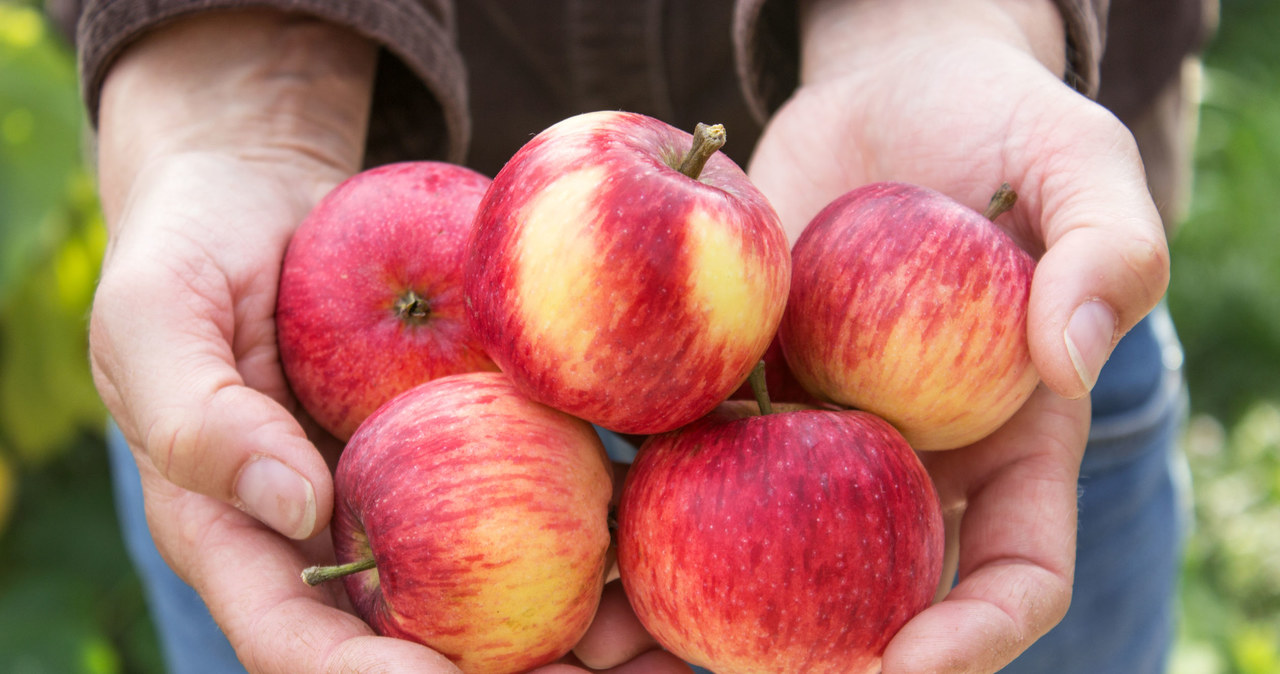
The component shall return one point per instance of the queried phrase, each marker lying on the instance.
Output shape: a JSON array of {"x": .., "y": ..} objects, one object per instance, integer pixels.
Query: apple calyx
[
  {"x": 314, "y": 575},
  {"x": 412, "y": 308},
  {"x": 1001, "y": 201},
  {"x": 707, "y": 140},
  {"x": 758, "y": 387}
]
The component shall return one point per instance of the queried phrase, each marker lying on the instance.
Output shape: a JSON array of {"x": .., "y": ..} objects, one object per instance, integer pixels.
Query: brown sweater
[{"x": 514, "y": 67}]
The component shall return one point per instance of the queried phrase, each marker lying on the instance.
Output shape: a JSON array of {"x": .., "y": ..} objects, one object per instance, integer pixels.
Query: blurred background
[{"x": 69, "y": 601}]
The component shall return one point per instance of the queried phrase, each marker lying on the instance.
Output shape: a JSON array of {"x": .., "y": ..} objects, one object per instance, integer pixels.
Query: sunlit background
[{"x": 69, "y": 601}]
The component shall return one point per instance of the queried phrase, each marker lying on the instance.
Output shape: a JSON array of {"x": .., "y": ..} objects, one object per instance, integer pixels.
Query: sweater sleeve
[
  {"x": 419, "y": 101},
  {"x": 767, "y": 48}
]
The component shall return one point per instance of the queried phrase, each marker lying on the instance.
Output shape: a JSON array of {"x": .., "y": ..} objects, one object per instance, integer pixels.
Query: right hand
[{"x": 217, "y": 135}]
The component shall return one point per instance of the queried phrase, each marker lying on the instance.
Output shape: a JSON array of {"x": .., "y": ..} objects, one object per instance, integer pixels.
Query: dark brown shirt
[{"x": 514, "y": 67}]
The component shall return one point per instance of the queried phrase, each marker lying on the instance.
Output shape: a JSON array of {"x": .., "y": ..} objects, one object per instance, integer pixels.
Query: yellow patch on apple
[
  {"x": 721, "y": 288},
  {"x": 557, "y": 267}
]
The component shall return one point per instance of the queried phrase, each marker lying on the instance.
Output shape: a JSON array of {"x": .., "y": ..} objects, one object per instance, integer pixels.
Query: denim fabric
[{"x": 1133, "y": 506}]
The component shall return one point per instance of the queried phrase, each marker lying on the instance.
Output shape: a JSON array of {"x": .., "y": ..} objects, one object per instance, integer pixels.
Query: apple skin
[
  {"x": 797, "y": 541},
  {"x": 910, "y": 305},
  {"x": 610, "y": 285},
  {"x": 347, "y": 330},
  {"x": 487, "y": 515}
]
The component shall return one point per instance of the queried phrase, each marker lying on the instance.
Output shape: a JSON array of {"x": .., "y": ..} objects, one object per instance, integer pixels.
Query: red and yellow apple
[
  {"x": 624, "y": 273},
  {"x": 910, "y": 305},
  {"x": 475, "y": 521},
  {"x": 796, "y": 541},
  {"x": 370, "y": 299}
]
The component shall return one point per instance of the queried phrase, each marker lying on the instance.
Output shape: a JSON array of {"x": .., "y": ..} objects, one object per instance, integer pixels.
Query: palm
[{"x": 963, "y": 123}]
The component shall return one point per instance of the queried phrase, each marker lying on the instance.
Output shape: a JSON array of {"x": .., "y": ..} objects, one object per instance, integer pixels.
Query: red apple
[
  {"x": 370, "y": 300},
  {"x": 481, "y": 520},
  {"x": 796, "y": 541},
  {"x": 609, "y": 283},
  {"x": 910, "y": 305}
]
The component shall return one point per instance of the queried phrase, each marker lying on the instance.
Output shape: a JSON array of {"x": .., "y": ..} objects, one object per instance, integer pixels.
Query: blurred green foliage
[
  {"x": 1223, "y": 293},
  {"x": 69, "y": 601},
  {"x": 50, "y": 242},
  {"x": 1224, "y": 299}
]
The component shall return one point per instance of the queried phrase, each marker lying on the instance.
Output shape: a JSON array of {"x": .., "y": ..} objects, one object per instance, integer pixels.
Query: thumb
[
  {"x": 1106, "y": 265},
  {"x": 164, "y": 365}
]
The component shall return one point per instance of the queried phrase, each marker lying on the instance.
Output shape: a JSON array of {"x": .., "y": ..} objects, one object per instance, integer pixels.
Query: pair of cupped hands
[{"x": 208, "y": 163}]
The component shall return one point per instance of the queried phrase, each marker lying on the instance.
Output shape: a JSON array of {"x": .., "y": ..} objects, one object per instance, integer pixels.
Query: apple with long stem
[
  {"x": 779, "y": 538},
  {"x": 475, "y": 521},
  {"x": 370, "y": 299},
  {"x": 625, "y": 271},
  {"x": 913, "y": 306}
]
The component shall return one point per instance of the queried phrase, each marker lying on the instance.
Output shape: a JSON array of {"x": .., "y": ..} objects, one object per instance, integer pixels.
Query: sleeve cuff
[
  {"x": 1086, "y": 25},
  {"x": 420, "y": 70}
]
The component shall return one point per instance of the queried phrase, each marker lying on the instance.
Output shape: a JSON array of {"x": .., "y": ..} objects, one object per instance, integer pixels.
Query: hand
[
  {"x": 961, "y": 97},
  {"x": 217, "y": 136},
  {"x": 208, "y": 160},
  {"x": 249, "y": 577},
  {"x": 1009, "y": 503}
]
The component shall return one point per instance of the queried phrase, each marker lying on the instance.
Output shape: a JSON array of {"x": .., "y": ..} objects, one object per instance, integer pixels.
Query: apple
[
  {"x": 794, "y": 541},
  {"x": 910, "y": 305},
  {"x": 625, "y": 271},
  {"x": 475, "y": 521},
  {"x": 370, "y": 298}
]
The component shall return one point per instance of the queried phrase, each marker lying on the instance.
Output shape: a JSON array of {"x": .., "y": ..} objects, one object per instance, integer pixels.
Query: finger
[
  {"x": 616, "y": 635},
  {"x": 1106, "y": 263},
  {"x": 1017, "y": 542},
  {"x": 163, "y": 360},
  {"x": 649, "y": 662},
  {"x": 249, "y": 578}
]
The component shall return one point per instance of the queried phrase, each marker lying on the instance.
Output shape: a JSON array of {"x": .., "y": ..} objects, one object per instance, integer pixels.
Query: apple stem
[
  {"x": 314, "y": 575},
  {"x": 707, "y": 139},
  {"x": 412, "y": 308},
  {"x": 758, "y": 387},
  {"x": 1001, "y": 201}
]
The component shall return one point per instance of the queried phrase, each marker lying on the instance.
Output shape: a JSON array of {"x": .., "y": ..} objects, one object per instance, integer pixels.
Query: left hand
[{"x": 960, "y": 97}]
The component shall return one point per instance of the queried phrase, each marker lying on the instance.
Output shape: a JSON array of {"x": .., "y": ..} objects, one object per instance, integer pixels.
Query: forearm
[{"x": 259, "y": 83}]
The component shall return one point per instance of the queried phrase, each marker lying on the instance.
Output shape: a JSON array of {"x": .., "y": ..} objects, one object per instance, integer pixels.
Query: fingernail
[
  {"x": 278, "y": 496},
  {"x": 1088, "y": 337}
]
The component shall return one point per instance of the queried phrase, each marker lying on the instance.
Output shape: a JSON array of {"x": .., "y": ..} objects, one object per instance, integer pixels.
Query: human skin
[
  {"x": 960, "y": 97},
  {"x": 217, "y": 134}
]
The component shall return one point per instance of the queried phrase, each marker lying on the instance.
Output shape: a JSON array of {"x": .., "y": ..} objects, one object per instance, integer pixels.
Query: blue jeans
[{"x": 1133, "y": 505}]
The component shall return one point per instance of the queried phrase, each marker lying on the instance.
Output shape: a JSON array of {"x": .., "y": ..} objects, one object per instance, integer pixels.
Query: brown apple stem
[
  {"x": 1001, "y": 201},
  {"x": 314, "y": 575},
  {"x": 412, "y": 308},
  {"x": 707, "y": 139},
  {"x": 758, "y": 387}
]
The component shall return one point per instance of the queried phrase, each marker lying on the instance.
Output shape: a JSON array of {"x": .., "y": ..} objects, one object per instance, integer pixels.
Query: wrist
[
  {"x": 254, "y": 84},
  {"x": 837, "y": 35}
]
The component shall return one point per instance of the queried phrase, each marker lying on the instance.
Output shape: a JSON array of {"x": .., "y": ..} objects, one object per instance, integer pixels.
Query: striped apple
[
  {"x": 475, "y": 521},
  {"x": 800, "y": 540},
  {"x": 370, "y": 297},
  {"x": 908, "y": 304},
  {"x": 625, "y": 271}
]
